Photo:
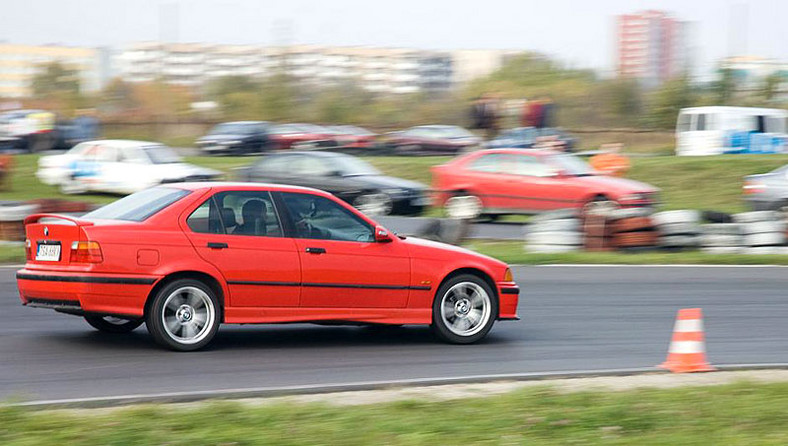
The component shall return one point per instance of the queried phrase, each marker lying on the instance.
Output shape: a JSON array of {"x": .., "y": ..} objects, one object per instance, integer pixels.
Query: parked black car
[
  {"x": 349, "y": 178},
  {"x": 237, "y": 138}
]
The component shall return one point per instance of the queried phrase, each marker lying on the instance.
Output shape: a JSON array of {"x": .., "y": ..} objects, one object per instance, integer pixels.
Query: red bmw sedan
[
  {"x": 186, "y": 257},
  {"x": 516, "y": 181}
]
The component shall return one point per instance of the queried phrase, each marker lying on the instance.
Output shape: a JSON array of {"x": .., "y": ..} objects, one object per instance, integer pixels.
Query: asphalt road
[{"x": 573, "y": 318}]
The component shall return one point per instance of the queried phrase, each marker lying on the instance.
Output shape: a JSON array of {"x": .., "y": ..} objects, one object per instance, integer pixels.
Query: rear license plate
[
  {"x": 49, "y": 252},
  {"x": 421, "y": 201}
]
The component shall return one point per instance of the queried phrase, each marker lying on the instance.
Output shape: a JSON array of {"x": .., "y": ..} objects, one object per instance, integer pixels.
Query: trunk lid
[{"x": 50, "y": 237}]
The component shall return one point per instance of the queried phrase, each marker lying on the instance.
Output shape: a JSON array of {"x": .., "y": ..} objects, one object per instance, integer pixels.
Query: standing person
[
  {"x": 477, "y": 113},
  {"x": 491, "y": 116},
  {"x": 547, "y": 115},
  {"x": 532, "y": 113}
]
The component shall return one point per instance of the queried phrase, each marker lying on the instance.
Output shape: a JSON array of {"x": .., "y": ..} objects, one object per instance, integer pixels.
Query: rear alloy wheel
[
  {"x": 373, "y": 204},
  {"x": 112, "y": 324},
  {"x": 184, "y": 315},
  {"x": 464, "y": 206},
  {"x": 464, "y": 310}
]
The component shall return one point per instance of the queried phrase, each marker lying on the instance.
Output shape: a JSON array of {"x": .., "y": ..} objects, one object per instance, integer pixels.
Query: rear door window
[
  {"x": 248, "y": 212},
  {"x": 139, "y": 206}
]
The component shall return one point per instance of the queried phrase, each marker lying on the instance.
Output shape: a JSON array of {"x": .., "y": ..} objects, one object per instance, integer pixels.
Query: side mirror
[{"x": 382, "y": 235}]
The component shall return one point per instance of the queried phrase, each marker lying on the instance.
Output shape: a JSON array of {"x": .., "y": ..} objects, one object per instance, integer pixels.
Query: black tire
[
  {"x": 440, "y": 326},
  {"x": 109, "y": 324},
  {"x": 157, "y": 313}
]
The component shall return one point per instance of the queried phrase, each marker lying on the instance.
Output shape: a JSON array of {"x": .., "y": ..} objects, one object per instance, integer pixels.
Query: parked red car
[
  {"x": 515, "y": 181},
  {"x": 189, "y": 256},
  {"x": 300, "y": 137}
]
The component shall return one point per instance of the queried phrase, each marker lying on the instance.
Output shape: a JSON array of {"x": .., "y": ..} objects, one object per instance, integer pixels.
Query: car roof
[
  {"x": 235, "y": 185},
  {"x": 244, "y": 122},
  {"x": 123, "y": 143},
  {"x": 317, "y": 153},
  {"x": 536, "y": 152}
]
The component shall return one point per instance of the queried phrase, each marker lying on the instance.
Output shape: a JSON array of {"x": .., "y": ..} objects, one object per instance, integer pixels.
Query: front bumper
[
  {"x": 508, "y": 298},
  {"x": 85, "y": 292}
]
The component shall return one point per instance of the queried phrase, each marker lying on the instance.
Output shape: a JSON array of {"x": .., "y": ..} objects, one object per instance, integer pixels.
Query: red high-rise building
[{"x": 651, "y": 47}]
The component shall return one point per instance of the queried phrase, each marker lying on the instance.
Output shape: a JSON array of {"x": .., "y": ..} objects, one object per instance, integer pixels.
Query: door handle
[
  {"x": 316, "y": 250},
  {"x": 217, "y": 245}
]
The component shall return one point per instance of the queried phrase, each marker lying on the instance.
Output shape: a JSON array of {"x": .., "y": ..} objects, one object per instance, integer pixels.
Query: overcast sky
[{"x": 578, "y": 32}]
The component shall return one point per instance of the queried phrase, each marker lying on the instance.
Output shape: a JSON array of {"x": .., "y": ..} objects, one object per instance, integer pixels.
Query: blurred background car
[
  {"x": 236, "y": 138},
  {"x": 30, "y": 130},
  {"x": 301, "y": 137},
  {"x": 70, "y": 132},
  {"x": 349, "y": 178},
  {"x": 768, "y": 191},
  {"x": 432, "y": 140},
  {"x": 528, "y": 137},
  {"x": 512, "y": 181},
  {"x": 352, "y": 137},
  {"x": 117, "y": 166}
]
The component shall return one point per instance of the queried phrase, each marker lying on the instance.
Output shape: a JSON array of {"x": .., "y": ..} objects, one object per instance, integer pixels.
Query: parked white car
[{"x": 117, "y": 166}]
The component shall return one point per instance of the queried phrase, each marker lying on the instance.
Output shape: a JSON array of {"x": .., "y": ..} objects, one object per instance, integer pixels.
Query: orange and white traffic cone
[{"x": 687, "y": 352}]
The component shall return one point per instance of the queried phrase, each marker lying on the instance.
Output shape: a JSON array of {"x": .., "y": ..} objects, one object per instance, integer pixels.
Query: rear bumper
[
  {"x": 81, "y": 292},
  {"x": 508, "y": 298}
]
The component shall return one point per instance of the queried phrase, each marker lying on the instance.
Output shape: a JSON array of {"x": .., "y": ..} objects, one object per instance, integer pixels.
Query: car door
[
  {"x": 341, "y": 264},
  {"x": 240, "y": 233},
  {"x": 533, "y": 183},
  {"x": 483, "y": 179}
]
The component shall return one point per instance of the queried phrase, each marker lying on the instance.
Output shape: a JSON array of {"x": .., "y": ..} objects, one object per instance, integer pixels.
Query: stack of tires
[
  {"x": 763, "y": 232},
  {"x": 553, "y": 232},
  {"x": 633, "y": 229},
  {"x": 12, "y": 216},
  {"x": 722, "y": 238},
  {"x": 625, "y": 229},
  {"x": 678, "y": 230}
]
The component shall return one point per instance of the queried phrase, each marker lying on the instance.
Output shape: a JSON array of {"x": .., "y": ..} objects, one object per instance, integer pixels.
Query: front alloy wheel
[
  {"x": 184, "y": 315},
  {"x": 464, "y": 310}
]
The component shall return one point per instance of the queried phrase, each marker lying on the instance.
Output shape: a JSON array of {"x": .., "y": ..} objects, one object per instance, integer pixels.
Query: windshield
[
  {"x": 231, "y": 128},
  {"x": 350, "y": 166},
  {"x": 571, "y": 165},
  {"x": 161, "y": 155},
  {"x": 138, "y": 206}
]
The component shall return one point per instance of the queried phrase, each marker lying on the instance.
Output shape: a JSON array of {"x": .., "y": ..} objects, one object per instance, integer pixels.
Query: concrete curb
[{"x": 268, "y": 392}]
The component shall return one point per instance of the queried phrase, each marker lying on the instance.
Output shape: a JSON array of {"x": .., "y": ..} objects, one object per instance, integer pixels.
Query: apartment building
[
  {"x": 20, "y": 63},
  {"x": 652, "y": 46},
  {"x": 385, "y": 70}
]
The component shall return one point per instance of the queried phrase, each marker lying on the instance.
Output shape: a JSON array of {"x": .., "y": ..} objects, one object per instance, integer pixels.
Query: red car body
[
  {"x": 287, "y": 136},
  {"x": 531, "y": 181},
  {"x": 257, "y": 279}
]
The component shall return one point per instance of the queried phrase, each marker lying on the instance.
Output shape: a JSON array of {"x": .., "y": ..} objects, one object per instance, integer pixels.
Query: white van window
[{"x": 700, "y": 122}]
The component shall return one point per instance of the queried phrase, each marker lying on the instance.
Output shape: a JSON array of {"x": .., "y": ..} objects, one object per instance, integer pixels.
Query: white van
[{"x": 717, "y": 130}]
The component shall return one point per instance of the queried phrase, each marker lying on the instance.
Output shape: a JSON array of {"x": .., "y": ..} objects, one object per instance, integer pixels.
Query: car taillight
[
  {"x": 752, "y": 187},
  {"x": 28, "y": 249},
  {"x": 507, "y": 276},
  {"x": 86, "y": 252}
]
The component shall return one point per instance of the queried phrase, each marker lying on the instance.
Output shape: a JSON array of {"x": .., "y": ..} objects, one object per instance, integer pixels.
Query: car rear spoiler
[{"x": 36, "y": 217}]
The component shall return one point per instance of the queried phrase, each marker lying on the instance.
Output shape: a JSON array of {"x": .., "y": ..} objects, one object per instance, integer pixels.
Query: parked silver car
[{"x": 768, "y": 191}]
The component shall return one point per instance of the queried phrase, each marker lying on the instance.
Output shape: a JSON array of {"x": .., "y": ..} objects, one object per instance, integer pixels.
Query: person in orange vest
[{"x": 611, "y": 161}]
